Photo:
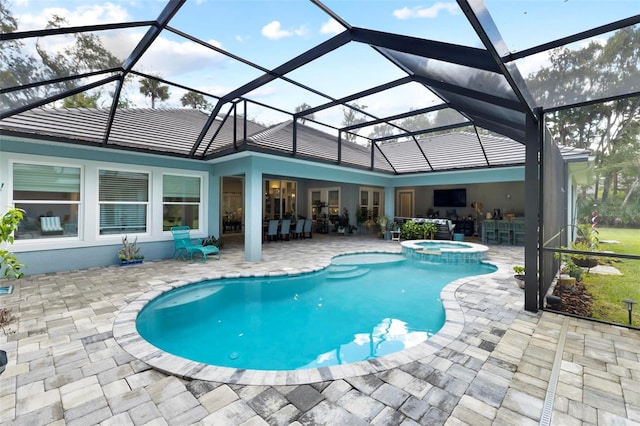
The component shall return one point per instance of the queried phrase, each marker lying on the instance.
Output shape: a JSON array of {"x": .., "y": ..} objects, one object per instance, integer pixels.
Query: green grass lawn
[{"x": 609, "y": 291}]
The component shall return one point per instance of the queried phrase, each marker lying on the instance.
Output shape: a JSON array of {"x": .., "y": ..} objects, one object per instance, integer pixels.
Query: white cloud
[
  {"x": 426, "y": 12},
  {"x": 83, "y": 15},
  {"x": 184, "y": 57},
  {"x": 332, "y": 27},
  {"x": 242, "y": 39},
  {"x": 274, "y": 31}
]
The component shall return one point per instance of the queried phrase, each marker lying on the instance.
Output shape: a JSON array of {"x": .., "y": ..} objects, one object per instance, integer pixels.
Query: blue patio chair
[
  {"x": 272, "y": 230},
  {"x": 285, "y": 228},
  {"x": 187, "y": 247},
  {"x": 307, "y": 228},
  {"x": 297, "y": 232}
]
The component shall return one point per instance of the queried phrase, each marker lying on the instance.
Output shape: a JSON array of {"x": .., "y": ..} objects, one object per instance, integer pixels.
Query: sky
[{"x": 268, "y": 33}]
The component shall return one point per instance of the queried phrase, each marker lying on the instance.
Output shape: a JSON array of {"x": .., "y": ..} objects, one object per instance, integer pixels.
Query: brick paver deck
[{"x": 506, "y": 366}]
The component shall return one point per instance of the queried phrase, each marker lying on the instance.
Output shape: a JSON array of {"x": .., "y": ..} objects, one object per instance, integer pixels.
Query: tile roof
[{"x": 174, "y": 131}]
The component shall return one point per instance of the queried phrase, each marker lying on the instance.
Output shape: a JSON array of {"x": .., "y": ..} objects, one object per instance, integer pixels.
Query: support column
[
  {"x": 214, "y": 202},
  {"x": 253, "y": 215},
  {"x": 390, "y": 202},
  {"x": 532, "y": 213}
]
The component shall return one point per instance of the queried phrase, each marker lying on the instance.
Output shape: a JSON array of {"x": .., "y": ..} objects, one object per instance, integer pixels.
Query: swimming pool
[{"x": 356, "y": 310}]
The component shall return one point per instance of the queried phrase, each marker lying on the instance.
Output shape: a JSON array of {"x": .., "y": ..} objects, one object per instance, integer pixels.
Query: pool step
[
  {"x": 338, "y": 269},
  {"x": 431, "y": 252},
  {"x": 352, "y": 273}
]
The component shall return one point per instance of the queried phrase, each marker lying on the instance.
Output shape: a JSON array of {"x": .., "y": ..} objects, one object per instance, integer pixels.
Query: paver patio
[{"x": 507, "y": 366}]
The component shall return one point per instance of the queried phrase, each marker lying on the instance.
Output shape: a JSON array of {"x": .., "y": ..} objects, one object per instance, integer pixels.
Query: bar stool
[
  {"x": 504, "y": 232},
  {"x": 489, "y": 231},
  {"x": 518, "y": 233}
]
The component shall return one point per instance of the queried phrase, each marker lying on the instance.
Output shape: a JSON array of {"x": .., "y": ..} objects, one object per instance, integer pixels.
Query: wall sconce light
[
  {"x": 630, "y": 303},
  {"x": 508, "y": 196}
]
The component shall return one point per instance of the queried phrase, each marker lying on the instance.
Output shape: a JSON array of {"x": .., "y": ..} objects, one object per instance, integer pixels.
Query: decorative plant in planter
[
  {"x": 383, "y": 221},
  {"x": 519, "y": 275},
  {"x": 129, "y": 254},
  {"x": 588, "y": 241},
  {"x": 213, "y": 241}
]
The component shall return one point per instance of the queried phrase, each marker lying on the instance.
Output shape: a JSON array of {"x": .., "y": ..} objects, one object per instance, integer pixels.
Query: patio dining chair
[
  {"x": 297, "y": 232},
  {"x": 272, "y": 230},
  {"x": 306, "y": 231},
  {"x": 285, "y": 228},
  {"x": 187, "y": 248}
]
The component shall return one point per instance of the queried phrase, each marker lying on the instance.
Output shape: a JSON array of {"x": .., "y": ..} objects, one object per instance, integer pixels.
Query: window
[
  {"x": 123, "y": 198},
  {"x": 50, "y": 192},
  {"x": 370, "y": 203},
  {"x": 279, "y": 199},
  {"x": 180, "y": 201},
  {"x": 324, "y": 202}
]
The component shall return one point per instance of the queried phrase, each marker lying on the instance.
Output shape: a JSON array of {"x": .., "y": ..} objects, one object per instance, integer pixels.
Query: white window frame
[
  {"x": 200, "y": 203},
  {"x": 79, "y": 203},
  {"x": 370, "y": 195},
  {"x": 147, "y": 204},
  {"x": 324, "y": 197}
]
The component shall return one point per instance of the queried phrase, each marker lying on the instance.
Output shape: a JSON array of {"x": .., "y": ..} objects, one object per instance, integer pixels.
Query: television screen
[{"x": 450, "y": 197}]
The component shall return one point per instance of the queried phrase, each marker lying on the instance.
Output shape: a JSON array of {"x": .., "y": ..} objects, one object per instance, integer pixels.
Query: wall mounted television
[{"x": 450, "y": 197}]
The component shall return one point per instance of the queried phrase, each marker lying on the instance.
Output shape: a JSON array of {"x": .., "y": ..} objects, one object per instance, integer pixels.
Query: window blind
[
  {"x": 44, "y": 178},
  {"x": 123, "y": 186},
  {"x": 180, "y": 187}
]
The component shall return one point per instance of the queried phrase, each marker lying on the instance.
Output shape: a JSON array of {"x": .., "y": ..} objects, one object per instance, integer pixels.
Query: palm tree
[{"x": 151, "y": 87}]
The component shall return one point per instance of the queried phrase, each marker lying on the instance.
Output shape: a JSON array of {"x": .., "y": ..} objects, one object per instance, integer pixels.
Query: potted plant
[
  {"x": 519, "y": 275},
  {"x": 213, "y": 241},
  {"x": 129, "y": 253},
  {"x": 383, "y": 221}
]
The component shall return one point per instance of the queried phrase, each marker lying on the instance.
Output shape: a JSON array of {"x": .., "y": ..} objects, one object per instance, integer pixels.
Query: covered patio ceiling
[{"x": 401, "y": 82}]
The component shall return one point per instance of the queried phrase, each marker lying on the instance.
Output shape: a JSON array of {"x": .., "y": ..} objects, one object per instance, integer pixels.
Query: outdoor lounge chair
[
  {"x": 50, "y": 225},
  {"x": 187, "y": 247}
]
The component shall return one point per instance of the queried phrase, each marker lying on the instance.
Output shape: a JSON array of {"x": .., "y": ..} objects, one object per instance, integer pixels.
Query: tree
[
  {"x": 81, "y": 100},
  {"x": 303, "y": 107},
  {"x": 352, "y": 116},
  {"x": 84, "y": 53},
  {"x": 152, "y": 88},
  {"x": 607, "y": 128},
  {"x": 194, "y": 100}
]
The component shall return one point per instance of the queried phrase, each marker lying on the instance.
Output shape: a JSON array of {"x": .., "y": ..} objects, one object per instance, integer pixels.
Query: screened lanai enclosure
[{"x": 375, "y": 86}]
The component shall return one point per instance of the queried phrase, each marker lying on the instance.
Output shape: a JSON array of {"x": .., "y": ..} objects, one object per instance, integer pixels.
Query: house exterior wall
[{"x": 89, "y": 249}]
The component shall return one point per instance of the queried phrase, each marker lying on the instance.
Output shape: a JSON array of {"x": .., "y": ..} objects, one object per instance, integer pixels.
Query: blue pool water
[
  {"x": 361, "y": 307},
  {"x": 436, "y": 245}
]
